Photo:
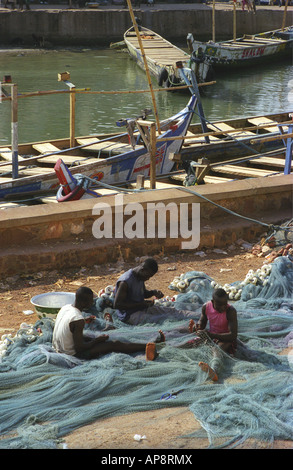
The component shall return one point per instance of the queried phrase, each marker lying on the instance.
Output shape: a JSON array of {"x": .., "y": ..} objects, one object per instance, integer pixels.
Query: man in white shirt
[{"x": 68, "y": 335}]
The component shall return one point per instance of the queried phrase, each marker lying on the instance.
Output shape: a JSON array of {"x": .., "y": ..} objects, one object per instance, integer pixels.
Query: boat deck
[{"x": 157, "y": 48}]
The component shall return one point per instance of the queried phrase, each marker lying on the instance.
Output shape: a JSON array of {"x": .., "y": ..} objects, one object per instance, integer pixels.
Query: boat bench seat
[
  {"x": 216, "y": 179},
  {"x": 197, "y": 140},
  {"x": 241, "y": 171},
  {"x": 6, "y": 154},
  {"x": 47, "y": 147},
  {"x": 270, "y": 161},
  {"x": 222, "y": 126},
  {"x": 261, "y": 122},
  {"x": 106, "y": 147}
]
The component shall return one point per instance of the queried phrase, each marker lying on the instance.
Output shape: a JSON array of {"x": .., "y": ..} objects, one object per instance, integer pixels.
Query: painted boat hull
[
  {"x": 245, "y": 51},
  {"x": 117, "y": 169}
]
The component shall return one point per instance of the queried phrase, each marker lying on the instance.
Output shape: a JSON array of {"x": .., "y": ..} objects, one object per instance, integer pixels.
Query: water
[{"x": 249, "y": 92}]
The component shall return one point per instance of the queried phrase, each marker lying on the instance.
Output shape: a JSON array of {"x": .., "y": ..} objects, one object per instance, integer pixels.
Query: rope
[{"x": 270, "y": 227}]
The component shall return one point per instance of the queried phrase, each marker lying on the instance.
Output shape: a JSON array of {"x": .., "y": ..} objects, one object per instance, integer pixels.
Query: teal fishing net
[{"x": 44, "y": 395}]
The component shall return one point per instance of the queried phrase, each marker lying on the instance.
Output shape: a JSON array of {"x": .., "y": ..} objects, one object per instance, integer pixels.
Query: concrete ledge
[{"x": 60, "y": 235}]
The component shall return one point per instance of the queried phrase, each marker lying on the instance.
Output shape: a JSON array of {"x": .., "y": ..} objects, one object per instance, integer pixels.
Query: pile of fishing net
[{"x": 44, "y": 395}]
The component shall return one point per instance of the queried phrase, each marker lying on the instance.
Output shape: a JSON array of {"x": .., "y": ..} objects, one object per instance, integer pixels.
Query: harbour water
[{"x": 260, "y": 90}]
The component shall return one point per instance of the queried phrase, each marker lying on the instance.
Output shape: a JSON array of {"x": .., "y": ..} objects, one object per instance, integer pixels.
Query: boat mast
[{"x": 145, "y": 64}]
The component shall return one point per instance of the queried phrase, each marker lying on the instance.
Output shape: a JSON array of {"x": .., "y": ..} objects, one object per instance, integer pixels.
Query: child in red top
[{"x": 223, "y": 328}]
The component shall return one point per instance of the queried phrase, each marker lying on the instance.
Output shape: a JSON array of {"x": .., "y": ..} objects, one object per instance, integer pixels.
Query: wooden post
[
  {"x": 72, "y": 116},
  {"x": 147, "y": 131},
  {"x": 284, "y": 17},
  {"x": 153, "y": 151},
  {"x": 234, "y": 20},
  {"x": 214, "y": 21},
  {"x": 14, "y": 131},
  {"x": 145, "y": 63},
  {"x": 64, "y": 77}
]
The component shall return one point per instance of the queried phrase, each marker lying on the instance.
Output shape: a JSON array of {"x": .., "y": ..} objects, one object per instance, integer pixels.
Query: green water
[{"x": 249, "y": 92}]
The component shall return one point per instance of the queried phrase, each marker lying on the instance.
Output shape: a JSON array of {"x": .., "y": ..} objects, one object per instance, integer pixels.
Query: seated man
[
  {"x": 68, "y": 335},
  {"x": 130, "y": 291},
  {"x": 131, "y": 297},
  {"x": 223, "y": 328}
]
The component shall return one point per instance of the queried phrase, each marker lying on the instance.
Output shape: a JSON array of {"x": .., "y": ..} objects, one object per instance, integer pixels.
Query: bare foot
[
  {"x": 161, "y": 338},
  {"x": 191, "y": 326},
  {"x": 150, "y": 351},
  {"x": 206, "y": 368}
]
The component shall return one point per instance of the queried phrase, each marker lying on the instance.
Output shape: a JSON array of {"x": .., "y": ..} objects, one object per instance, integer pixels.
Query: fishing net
[{"x": 45, "y": 395}]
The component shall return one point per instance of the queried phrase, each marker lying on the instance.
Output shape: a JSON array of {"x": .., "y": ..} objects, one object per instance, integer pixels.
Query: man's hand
[
  {"x": 158, "y": 294},
  {"x": 101, "y": 338}
]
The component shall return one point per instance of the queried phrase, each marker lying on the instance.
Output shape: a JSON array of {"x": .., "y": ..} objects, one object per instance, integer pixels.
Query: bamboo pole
[
  {"x": 214, "y": 21},
  {"x": 145, "y": 63},
  {"x": 284, "y": 16},
  {"x": 234, "y": 20},
  {"x": 88, "y": 91},
  {"x": 277, "y": 137}
]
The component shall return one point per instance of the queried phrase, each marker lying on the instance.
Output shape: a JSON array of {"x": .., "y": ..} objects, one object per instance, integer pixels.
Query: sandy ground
[{"x": 163, "y": 428}]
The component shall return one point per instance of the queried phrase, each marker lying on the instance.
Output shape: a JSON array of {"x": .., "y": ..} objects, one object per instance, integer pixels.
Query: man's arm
[
  {"x": 76, "y": 328},
  {"x": 203, "y": 319},
  {"x": 122, "y": 303}
]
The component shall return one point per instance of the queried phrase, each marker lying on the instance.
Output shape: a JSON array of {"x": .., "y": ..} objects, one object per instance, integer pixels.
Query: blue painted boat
[{"x": 113, "y": 159}]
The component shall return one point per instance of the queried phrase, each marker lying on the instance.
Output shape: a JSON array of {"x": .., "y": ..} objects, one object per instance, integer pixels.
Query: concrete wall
[
  {"x": 56, "y": 236},
  {"x": 100, "y": 27}
]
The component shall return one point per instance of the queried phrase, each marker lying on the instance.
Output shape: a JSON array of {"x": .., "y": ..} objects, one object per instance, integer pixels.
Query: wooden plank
[
  {"x": 45, "y": 147},
  {"x": 216, "y": 179},
  {"x": 34, "y": 171},
  {"x": 222, "y": 126},
  {"x": 270, "y": 161},
  {"x": 241, "y": 171},
  {"x": 6, "y": 154},
  {"x": 261, "y": 122},
  {"x": 108, "y": 147}
]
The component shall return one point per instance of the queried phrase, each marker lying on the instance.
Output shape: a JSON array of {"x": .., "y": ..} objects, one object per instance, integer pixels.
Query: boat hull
[
  {"x": 161, "y": 64},
  {"x": 246, "y": 51}
]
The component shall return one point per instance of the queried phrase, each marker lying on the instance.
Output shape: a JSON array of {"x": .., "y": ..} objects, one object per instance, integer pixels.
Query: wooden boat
[
  {"x": 194, "y": 170},
  {"x": 231, "y": 138},
  {"x": 101, "y": 157},
  {"x": 162, "y": 56},
  {"x": 111, "y": 158},
  {"x": 245, "y": 51}
]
